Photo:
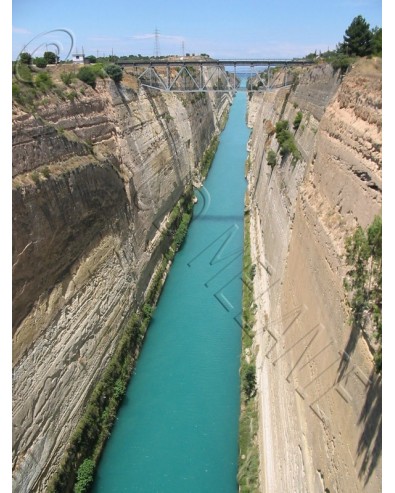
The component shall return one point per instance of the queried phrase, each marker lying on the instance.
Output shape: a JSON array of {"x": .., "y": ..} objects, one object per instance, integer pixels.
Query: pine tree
[{"x": 357, "y": 39}]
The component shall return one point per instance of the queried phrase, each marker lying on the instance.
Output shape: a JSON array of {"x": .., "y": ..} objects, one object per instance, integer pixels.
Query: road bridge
[{"x": 179, "y": 74}]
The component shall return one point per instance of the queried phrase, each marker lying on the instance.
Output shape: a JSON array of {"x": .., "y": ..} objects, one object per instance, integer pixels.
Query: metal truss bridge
[{"x": 208, "y": 75}]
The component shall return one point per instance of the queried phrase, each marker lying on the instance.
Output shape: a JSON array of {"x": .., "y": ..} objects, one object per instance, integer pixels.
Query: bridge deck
[{"x": 223, "y": 61}]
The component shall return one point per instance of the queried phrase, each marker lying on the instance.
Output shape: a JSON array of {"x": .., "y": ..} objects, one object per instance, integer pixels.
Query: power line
[{"x": 156, "y": 53}]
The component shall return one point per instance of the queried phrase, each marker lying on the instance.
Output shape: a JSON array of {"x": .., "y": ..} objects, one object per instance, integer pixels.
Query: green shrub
[
  {"x": 298, "y": 119},
  {"x": 87, "y": 75},
  {"x": 43, "y": 81},
  {"x": 115, "y": 72},
  {"x": 271, "y": 158},
  {"x": 98, "y": 69},
  {"x": 286, "y": 141},
  {"x": 67, "y": 77},
  {"x": 84, "y": 476},
  {"x": 23, "y": 73},
  {"x": 16, "y": 91},
  {"x": 248, "y": 379},
  {"x": 148, "y": 311},
  {"x": 341, "y": 62},
  {"x": 71, "y": 95},
  {"x": 40, "y": 62},
  {"x": 182, "y": 231},
  {"x": 208, "y": 156}
]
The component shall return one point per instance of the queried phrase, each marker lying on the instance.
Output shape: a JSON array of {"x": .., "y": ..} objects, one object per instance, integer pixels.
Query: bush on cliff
[
  {"x": 248, "y": 378},
  {"x": 271, "y": 158},
  {"x": 87, "y": 75},
  {"x": 115, "y": 72},
  {"x": 364, "y": 280},
  {"x": 298, "y": 119},
  {"x": 286, "y": 140},
  {"x": 67, "y": 77},
  {"x": 43, "y": 81},
  {"x": 84, "y": 476}
]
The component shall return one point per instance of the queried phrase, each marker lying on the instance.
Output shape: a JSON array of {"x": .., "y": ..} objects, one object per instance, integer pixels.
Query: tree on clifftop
[
  {"x": 50, "y": 57},
  {"x": 357, "y": 38},
  {"x": 25, "y": 58}
]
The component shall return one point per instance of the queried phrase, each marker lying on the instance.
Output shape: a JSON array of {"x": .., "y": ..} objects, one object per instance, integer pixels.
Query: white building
[{"x": 78, "y": 58}]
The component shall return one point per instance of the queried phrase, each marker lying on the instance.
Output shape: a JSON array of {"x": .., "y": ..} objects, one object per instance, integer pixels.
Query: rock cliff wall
[
  {"x": 319, "y": 396},
  {"x": 93, "y": 178}
]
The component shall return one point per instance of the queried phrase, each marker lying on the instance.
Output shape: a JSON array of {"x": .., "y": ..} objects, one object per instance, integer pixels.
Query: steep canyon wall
[
  {"x": 319, "y": 395},
  {"x": 93, "y": 179}
]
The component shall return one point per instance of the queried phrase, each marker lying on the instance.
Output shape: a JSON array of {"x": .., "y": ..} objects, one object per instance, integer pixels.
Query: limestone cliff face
[
  {"x": 319, "y": 397},
  {"x": 93, "y": 180}
]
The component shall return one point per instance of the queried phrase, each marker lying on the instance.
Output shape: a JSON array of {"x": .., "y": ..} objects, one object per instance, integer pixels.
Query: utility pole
[{"x": 183, "y": 49}]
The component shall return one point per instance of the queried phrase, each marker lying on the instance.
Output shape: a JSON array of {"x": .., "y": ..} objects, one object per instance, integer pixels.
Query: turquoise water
[{"x": 177, "y": 429}]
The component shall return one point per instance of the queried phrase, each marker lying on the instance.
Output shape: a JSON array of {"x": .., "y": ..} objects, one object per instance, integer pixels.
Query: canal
[{"x": 177, "y": 429}]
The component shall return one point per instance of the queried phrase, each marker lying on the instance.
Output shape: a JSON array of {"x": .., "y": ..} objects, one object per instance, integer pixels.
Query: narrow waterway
[{"x": 177, "y": 429}]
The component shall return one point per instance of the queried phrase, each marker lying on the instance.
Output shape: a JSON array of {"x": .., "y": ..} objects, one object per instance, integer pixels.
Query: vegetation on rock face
[
  {"x": 84, "y": 476},
  {"x": 43, "y": 81},
  {"x": 87, "y": 75},
  {"x": 364, "y": 281},
  {"x": 67, "y": 77},
  {"x": 298, "y": 119},
  {"x": 271, "y": 158},
  {"x": 286, "y": 141},
  {"x": 115, "y": 72},
  {"x": 248, "y": 379},
  {"x": 248, "y": 471},
  {"x": 208, "y": 156}
]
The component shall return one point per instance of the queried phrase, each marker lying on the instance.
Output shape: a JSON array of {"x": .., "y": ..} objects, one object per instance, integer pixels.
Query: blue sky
[{"x": 221, "y": 28}]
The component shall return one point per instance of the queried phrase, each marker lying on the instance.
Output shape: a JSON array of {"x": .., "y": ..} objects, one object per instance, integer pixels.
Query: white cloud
[
  {"x": 20, "y": 30},
  {"x": 166, "y": 37},
  {"x": 143, "y": 36},
  {"x": 103, "y": 38}
]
